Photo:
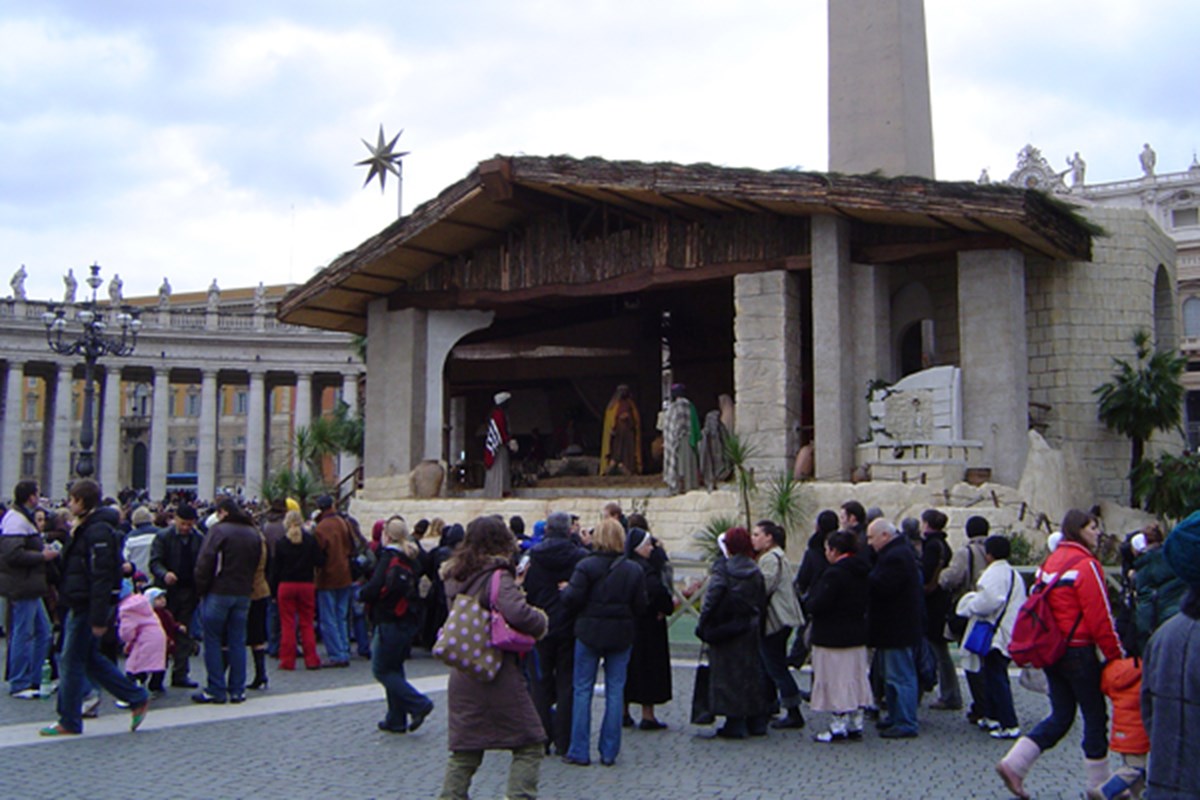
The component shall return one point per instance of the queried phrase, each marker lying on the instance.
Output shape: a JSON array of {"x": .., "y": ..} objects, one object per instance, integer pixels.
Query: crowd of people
[{"x": 876, "y": 607}]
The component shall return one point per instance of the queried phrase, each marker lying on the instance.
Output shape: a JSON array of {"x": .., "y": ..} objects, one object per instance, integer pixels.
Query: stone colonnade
[{"x": 59, "y": 421}]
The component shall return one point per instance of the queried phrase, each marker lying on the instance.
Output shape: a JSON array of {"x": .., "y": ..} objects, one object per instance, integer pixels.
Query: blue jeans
[
  {"x": 390, "y": 648},
  {"x": 587, "y": 663},
  {"x": 1075, "y": 681},
  {"x": 273, "y": 629},
  {"x": 225, "y": 625},
  {"x": 362, "y": 642},
  {"x": 333, "y": 607},
  {"x": 901, "y": 688},
  {"x": 81, "y": 664},
  {"x": 998, "y": 690},
  {"x": 28, "y": 643}
]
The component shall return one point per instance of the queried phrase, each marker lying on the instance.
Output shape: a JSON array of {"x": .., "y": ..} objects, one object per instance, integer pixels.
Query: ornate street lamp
[{"x": 92, "y": 342}]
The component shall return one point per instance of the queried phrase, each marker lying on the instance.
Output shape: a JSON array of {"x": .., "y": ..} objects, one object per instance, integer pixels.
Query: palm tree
[{"x": 1142, "y": 398}]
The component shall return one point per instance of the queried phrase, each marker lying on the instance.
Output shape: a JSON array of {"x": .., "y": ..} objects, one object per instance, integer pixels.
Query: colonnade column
[
  {"x": 160, "y": 416},
  {"x": 302, "y": 414},
  {"x": 833, "y": 333},
  {"x": 349, "y": 463},
  {"x": 59, "y": 413},
  {"x": 255, "y": 434},
  {"x": 110, "y": 432},
  {"x": 206, "y": 461},
  {"x": 10, "y": 463}
]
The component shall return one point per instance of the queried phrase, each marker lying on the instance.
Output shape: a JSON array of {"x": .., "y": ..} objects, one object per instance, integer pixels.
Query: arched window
[{"x": 1191, "y": 317}]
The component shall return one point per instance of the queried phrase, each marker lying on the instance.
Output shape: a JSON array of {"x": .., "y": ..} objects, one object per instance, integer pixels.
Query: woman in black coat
[
  {"x": 648, "y": 679},
  {"x": 607, "y": 592},
  {"x": 837, "y": 606},
  {"x": 731, "y": 625}
]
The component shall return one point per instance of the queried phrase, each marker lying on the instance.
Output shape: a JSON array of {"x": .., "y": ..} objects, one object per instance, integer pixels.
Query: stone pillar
[
  {"x": 871, "y": 304},
  {"x": 256, "y": 436},
  {"x": 59, "y": 414},
  {"x": 879, "y": 112},
  {"x": 206, "y": 460},
  {"x": 349, "y": 463},
  {"x": 994, "y": 356},
  {"x": 160, "y": 424},
  {"x": 766, "y": 368},
  {"x": 110, "y": 432},
  {"x": 303, "y": 410},
  {"x": 835, "y": 381},
  {"x": 10, "y": 456}
]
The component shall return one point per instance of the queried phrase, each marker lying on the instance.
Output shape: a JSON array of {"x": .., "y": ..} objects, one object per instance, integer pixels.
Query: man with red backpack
[{"x": 1071, "y": 582}]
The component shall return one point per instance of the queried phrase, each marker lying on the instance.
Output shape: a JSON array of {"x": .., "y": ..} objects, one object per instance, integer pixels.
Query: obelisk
[{"x": 879, "y": 116}]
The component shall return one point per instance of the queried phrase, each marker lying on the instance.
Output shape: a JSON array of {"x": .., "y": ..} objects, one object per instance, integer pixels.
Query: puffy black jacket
[
  {"x": 896, "y": 616},
  {"x": 171, "y": 552},
  {"x": 552, "y": 561},
  {"x": 91, "y": 567},
  {"x": 837, "y": 604},
  {"x": 606, "y": 591}
]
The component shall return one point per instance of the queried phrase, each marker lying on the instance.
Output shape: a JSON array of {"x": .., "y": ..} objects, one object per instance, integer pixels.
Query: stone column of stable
[
  {"x": 766, "y": 367},
  {"x": 206, "y": 461},
  {"x": 10, "y": 462},
  {"x": 160, "y": 423},
  {"x": 256, "y": 430},
  {"x": 834, "y": 379},
  {"x": 993, "y": 354},
  {"x": 302, "y": 415},
  {"x": 59, "y": 417},
  {"x": 110, "y": 432},
  {"x": 349, "y": 463}
]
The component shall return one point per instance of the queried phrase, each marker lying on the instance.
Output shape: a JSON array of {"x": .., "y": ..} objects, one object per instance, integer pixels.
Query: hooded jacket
[
  {"x": 552, "y": 562},
  {"x": 143, "y": 635},
  {"x": 1081, "y": 594},
  {"x": 838, "y": 604},
  {"x": 91, "y": 568},
  {"x": 22, "y": 567}
]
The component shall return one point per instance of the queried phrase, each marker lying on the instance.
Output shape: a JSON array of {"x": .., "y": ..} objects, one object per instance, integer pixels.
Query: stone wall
[{"x": 1081, "y": 315}]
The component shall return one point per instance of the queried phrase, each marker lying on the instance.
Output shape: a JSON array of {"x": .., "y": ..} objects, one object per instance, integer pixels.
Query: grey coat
[
  {"x": 499, "y": 715},
  {"x": 1171, "y": 704}
]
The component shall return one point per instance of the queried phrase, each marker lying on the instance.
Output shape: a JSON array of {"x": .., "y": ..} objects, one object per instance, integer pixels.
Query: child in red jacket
[{"x": 1122, "y": 682}]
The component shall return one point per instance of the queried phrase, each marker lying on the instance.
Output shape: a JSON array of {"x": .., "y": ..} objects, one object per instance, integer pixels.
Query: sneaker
[
  {"x": 137, "y": 715},
  {"x": 1005, "y": 733},
  {"x": 120, "y": 704},
  {"x": 204, "y": 697},
  {"x": 27, "y": 694},
  {"x": 986, "y": 724},
  {"x": 56, "y": 730},
  {"x": 826, "y": 737},
  {"x": 90, "y": 709}
]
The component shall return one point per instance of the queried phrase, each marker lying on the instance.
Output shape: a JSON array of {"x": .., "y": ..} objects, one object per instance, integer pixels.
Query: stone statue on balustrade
[
  {"x": 1078, "y": 169},
  {"x": 114, "y": 289},
  {"x": 18, "y": 283},
  {"x": 260, "y": 299},
  {"x": 164, "y": 293},
  {"x": 1148, "y": 159},
  {"x": 69, "y": 287},
  {"x": 214, "y": 296}
]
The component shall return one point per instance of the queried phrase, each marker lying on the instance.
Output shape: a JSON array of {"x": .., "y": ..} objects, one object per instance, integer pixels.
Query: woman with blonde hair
[
  {"x": 607, "y": 592},
  {"x": 392, "y": 602},
  {"x": 297, "y": 556}
]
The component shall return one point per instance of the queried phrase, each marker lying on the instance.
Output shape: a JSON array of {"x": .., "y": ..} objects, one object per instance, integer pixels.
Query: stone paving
[{"x": 313, "y": 735}]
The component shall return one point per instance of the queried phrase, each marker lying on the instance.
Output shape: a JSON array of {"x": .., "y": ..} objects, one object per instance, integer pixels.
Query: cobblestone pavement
[{"x": 313, "y": 735}]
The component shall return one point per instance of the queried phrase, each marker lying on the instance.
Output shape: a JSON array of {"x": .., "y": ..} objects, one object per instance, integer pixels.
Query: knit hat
[
  {"x": 154, "y": 593},
  {"x": 1182, "y": 550}
]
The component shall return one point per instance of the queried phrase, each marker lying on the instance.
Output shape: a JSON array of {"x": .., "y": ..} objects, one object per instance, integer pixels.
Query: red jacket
[
  {"x": 1122, "y": 682},
  {"x": 1081, "y": 589}
]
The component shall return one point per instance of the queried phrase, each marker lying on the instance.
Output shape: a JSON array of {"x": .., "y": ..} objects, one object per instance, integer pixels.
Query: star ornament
[{"x": 383, "y": 159}]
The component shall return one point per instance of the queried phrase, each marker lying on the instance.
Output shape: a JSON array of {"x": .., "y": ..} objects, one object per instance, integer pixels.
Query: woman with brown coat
[{"x": 499, "y": 715}]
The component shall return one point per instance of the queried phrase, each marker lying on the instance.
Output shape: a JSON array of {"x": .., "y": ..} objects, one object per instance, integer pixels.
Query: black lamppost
[{"x": 92, "y": 342}]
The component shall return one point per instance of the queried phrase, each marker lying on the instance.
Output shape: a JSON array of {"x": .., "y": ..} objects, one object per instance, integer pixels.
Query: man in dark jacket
[
  {"x": 23, "y": 559},
  {"x": 935, "y": 557},
  {"x": 173, "y": 556},
  {"x": 224, "y": 574},
  {"x": 273, "y": 531},
  {"x": 894, "y": 624},
  {"x": 551, "y": 563},
  {"x": 91, "y": 581}
]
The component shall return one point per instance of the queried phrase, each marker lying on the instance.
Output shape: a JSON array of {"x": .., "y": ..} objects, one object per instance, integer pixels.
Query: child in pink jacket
[{"x": 145, "y": 641}]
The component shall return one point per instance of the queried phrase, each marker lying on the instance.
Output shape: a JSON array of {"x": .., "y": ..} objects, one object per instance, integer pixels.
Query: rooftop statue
[{"x": 69, "y": 287}]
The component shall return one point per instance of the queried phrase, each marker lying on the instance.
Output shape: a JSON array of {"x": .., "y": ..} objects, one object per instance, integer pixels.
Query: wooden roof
[{"x": 499, "y": 193}]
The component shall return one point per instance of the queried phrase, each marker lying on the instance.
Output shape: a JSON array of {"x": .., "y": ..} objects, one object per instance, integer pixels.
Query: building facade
[{"x": 209, "y": 401}]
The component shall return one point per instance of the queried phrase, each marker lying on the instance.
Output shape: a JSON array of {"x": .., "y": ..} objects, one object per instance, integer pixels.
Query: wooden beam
[{"x": 917, "y": 251}]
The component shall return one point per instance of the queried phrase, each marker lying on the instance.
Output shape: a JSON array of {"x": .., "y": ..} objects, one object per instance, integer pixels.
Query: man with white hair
[{"x": 894, "y": 624}]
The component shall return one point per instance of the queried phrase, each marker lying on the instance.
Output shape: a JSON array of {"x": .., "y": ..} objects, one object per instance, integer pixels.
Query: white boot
[
  {"x": 1013, "y": 768},
  {"x": 1095, "y": 772}
]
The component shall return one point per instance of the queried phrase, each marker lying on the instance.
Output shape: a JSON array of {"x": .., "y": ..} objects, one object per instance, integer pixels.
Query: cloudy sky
[{"x": 217, "y": 138}]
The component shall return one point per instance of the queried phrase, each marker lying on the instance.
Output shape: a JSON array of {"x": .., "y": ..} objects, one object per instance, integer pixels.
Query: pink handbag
[{"x": 504, "y": 637}]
